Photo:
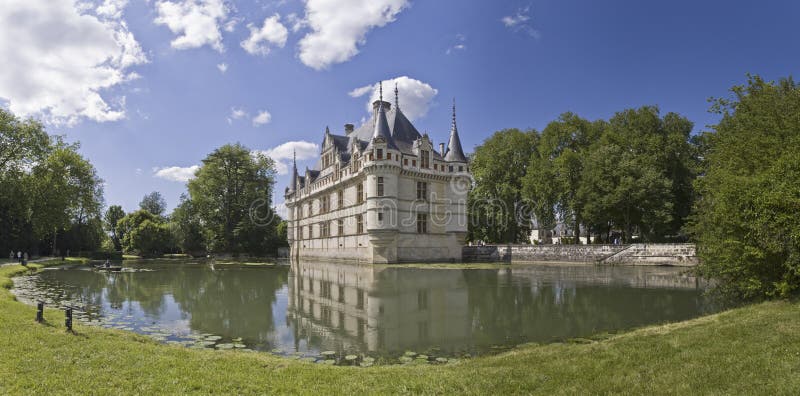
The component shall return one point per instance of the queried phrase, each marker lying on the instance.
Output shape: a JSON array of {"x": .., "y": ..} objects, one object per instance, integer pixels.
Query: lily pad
[
  {"x": 224, "y": 346},
  {"x": 441, "y": 360},
  {"x": 410, "y": 354},
  {"x": 239, "y": 346},
  {"x": 213, "y": 338},
  {"x": 328, "y": 354}
]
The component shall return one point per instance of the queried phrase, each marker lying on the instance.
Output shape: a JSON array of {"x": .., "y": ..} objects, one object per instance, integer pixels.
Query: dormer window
[
  {"x": 379, "y": 154},
  {"x": 424, "y": 159}
]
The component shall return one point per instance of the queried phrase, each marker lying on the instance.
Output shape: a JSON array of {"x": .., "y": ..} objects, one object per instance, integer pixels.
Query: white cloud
[
  {"x": 196, "y": 22},
  {"x": 297, "y": 23},
  {"x": 283, "y": 154},
  {"x": 56, "y": 60},
  {"x": 459, "y": 44},
  {"x": 260, "y": 39},
  {"x": 263, "y": 117},
  {"x": 415, "y": 96},
  {"x": 236, "y": 114},
  {"x": 338, "y": 27},
  {"x": 223, "y": 67},
  {"x": 111, "y": 8},
  {"x": 230, "y": 26},
  {"x": 176, "y": 173},
  {"x": 520, "y": 22}
]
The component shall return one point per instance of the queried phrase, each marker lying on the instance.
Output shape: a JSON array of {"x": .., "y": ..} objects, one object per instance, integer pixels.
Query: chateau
[{"x": 381, "y": 193}]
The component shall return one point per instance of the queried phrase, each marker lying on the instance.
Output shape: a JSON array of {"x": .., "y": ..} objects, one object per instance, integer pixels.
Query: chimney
[
  {"x": 386, "y": 105},
  {"x": 441, "y": 149},
  {"x": 348, "y": 128}
]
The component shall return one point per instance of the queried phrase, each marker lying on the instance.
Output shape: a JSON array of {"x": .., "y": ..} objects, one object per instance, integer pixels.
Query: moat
[{"x": 384, "y": 314}]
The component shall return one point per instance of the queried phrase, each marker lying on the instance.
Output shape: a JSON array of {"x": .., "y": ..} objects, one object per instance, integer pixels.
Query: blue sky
[{"x": 141, "y": 84}]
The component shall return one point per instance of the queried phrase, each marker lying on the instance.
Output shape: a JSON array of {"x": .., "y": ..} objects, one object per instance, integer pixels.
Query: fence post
[
  {"x": 40, "y": 311},
  {"x": 68, "y": 318}
]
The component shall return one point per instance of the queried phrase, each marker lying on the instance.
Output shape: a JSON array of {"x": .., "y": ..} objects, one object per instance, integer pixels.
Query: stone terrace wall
[
  {"x": 523, "y": 253},
  {"x": 678, "y": 254},
  {"x": 635, "y": 254}
]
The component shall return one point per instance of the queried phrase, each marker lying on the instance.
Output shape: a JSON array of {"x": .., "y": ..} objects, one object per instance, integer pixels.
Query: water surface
[{"x": 379, "y": 311}]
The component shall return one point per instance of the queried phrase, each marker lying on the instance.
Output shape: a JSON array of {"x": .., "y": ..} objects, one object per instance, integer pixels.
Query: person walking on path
[{"x": 19, "y": 256}]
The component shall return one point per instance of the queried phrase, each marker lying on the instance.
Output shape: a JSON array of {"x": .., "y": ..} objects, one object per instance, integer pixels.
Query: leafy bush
[{"x": 746, "y": 223}]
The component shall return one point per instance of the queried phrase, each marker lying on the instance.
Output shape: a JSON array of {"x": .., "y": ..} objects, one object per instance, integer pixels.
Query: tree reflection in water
[{"x": 311, "y": 307}]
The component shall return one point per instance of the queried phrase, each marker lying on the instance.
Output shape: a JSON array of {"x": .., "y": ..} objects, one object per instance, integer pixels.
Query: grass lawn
[{"x": 750, "y": 350}]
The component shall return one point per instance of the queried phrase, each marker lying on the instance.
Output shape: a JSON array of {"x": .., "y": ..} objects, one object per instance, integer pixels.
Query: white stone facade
[{"x": 381, "y": 194}]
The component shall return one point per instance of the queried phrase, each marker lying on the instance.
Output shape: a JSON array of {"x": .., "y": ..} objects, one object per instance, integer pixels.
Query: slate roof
[{"x": 399, "y": 133}]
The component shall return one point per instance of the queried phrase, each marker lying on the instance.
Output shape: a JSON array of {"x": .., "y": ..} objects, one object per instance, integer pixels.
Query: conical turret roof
[
  {"x": 382, "y": 125},
  {"x": 454, "y": 151}
]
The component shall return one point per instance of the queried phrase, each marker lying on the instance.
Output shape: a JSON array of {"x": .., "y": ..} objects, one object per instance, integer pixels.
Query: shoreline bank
[{"x": 670, "y": 358}]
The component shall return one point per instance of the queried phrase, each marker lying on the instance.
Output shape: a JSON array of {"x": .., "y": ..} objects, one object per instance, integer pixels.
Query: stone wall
[{"x": 635, "y": 254}]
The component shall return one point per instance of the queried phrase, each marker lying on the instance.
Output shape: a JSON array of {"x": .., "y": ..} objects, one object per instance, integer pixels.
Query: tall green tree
[
  {"x": 498, "y": 211},
  {"x": 188, "y": 228},
  {"x": 144, "y": 233},
  {"x": 555, "y": 176},
  {"x": 638, "y": 175},
  {"x": 746, "y": 223},
  {"x": 154, "y": 203},
  {"x": 110, "y": 223},
  {"x": 232, "y": 194}
]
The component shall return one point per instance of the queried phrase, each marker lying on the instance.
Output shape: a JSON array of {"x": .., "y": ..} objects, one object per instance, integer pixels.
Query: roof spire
[
  {"x": 396, "y": 97},
  {"x": 293, "y": 186},
  {"x": 454, "y": 112},
  {"x": 454, "y": 151},
  {"x": 381, "y": 126}
]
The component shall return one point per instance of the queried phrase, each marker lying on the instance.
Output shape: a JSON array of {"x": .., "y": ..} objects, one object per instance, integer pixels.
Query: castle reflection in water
[{"x": 363, "y": 308}]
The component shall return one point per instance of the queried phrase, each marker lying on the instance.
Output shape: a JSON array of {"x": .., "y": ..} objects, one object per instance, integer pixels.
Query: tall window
[
  {"x": 323, "y": 229},
  {"x": 359, "y": 224},
  {"x": 360, "y": 193},
  {"x": 380, "y": 154},
  {"x": 340, "y": 231},
  {"x": 424, "y": 159},
  {"x": 325, "y": 204},
  {"x": 422, "y": 223},
  {"x": 340, "y": 199},
  {"x": 422, "y": 191},
  {"x": 380, "y": 186},
  {"x": 380, "y": 217}
]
